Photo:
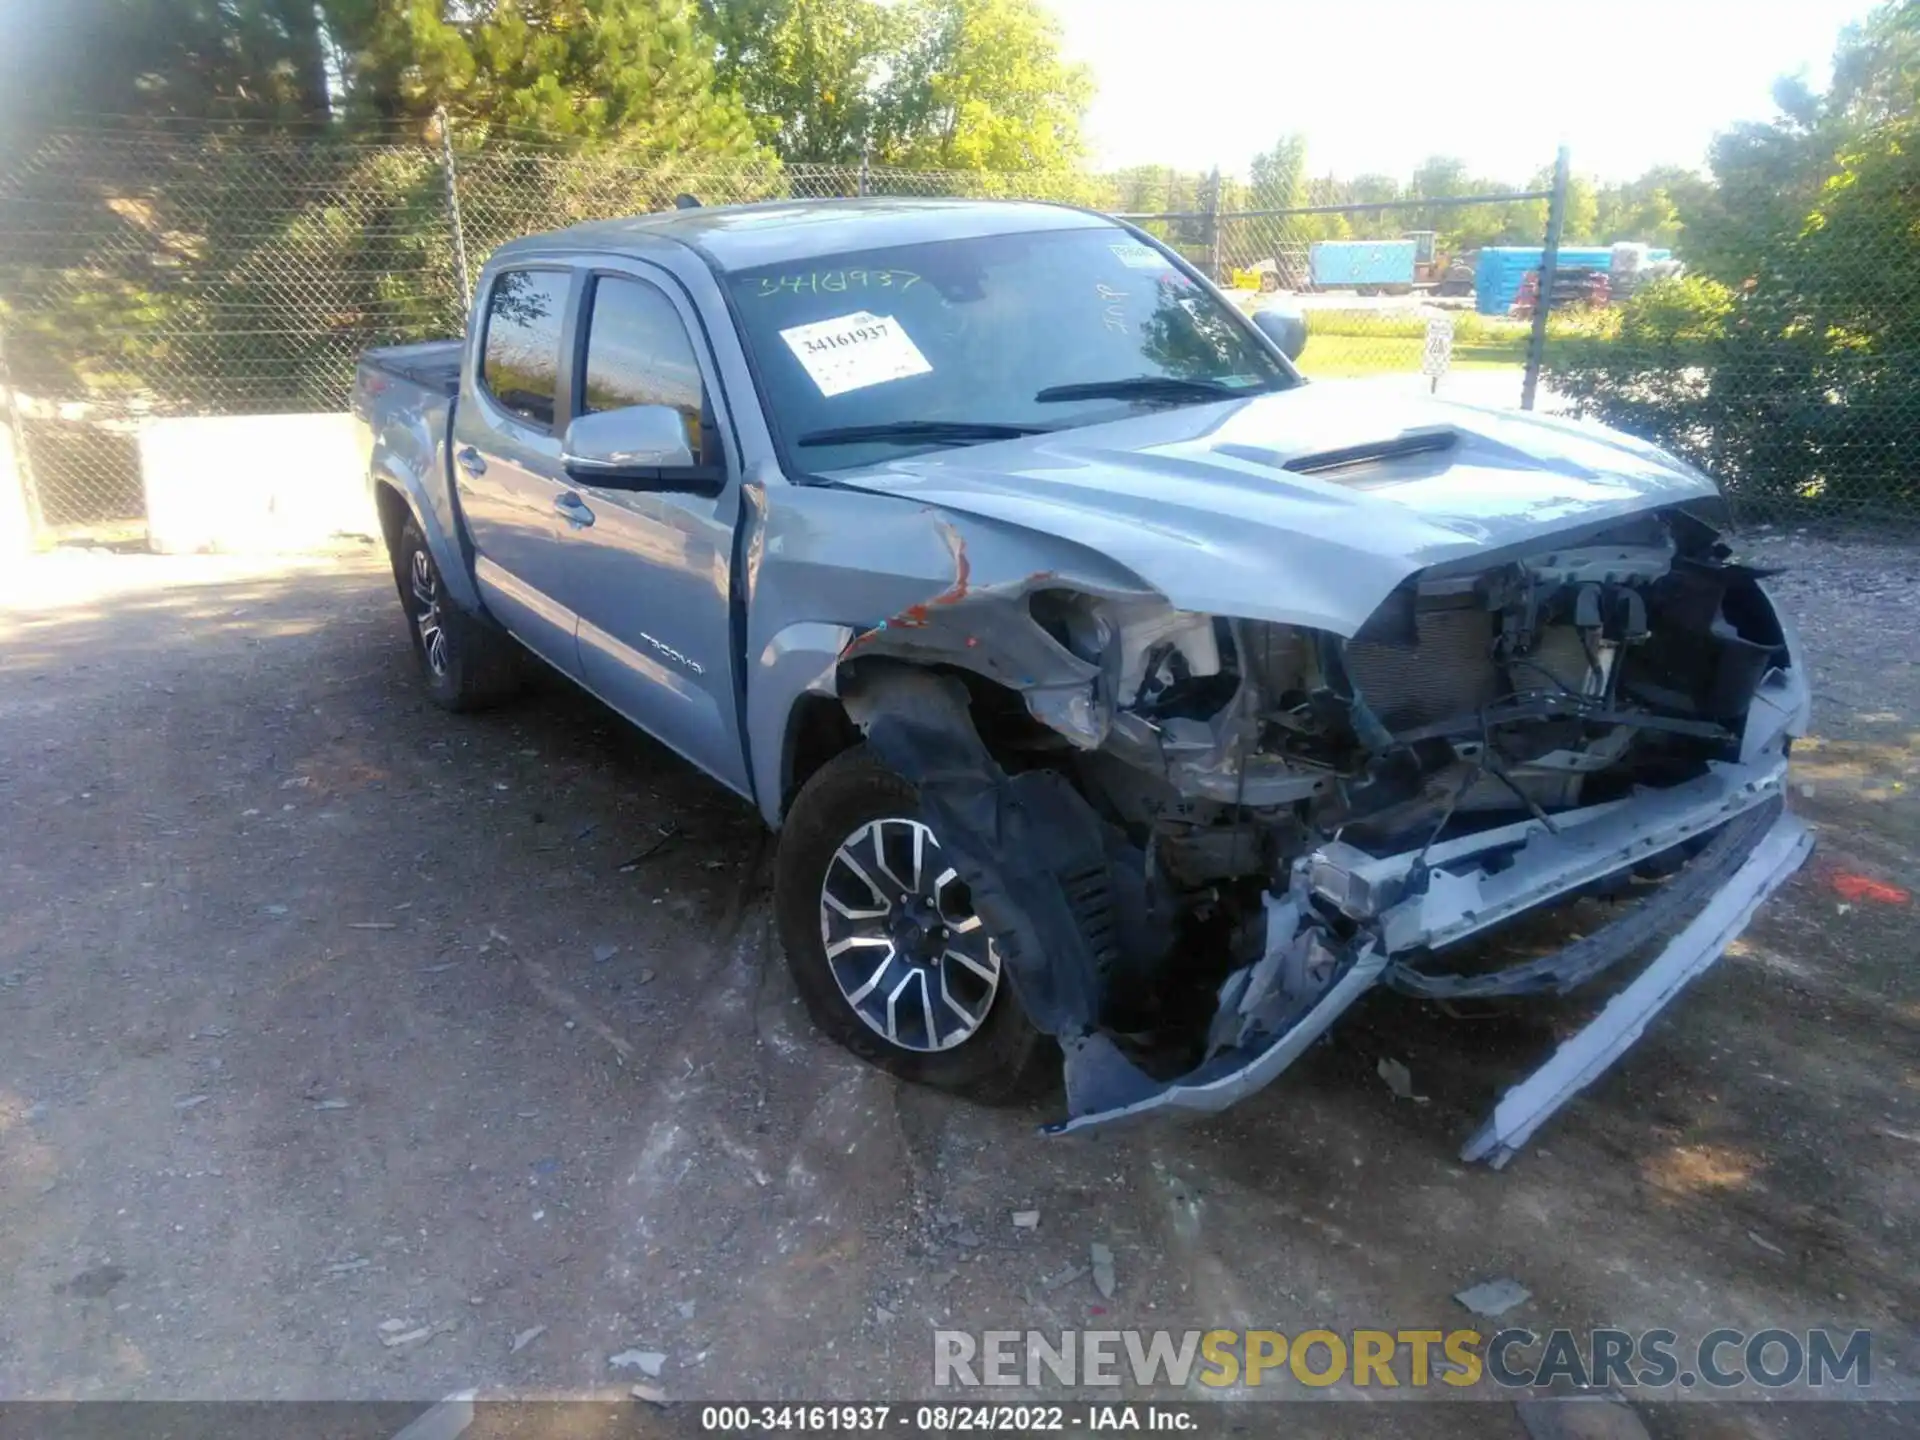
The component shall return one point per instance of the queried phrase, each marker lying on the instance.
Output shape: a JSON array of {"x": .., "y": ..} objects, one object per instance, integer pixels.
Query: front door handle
[
  {"x": 574, "y": 510},
  {"x": 471, "y": 461}
]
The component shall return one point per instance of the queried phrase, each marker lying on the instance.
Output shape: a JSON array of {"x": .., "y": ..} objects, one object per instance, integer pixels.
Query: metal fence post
[
  {"x": 1213, "y": 225},
  {"x": 22, "y": 462},
  {"x": 1549, "y": 265},
  {"x": 453, "y": 206}
]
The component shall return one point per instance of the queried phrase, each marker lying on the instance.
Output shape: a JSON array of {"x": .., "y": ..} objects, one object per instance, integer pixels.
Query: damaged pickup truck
[{"x": 1118, "y": 696}]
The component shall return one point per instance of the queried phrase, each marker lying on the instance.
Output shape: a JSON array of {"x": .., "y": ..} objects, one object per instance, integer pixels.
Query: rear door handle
[
  {"x": 574, "y": 510},
  {"x": 471, "y": 461}
]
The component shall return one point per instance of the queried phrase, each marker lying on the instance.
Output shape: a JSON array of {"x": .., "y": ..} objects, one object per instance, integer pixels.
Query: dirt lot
[{"x": 321, "y": 1010}]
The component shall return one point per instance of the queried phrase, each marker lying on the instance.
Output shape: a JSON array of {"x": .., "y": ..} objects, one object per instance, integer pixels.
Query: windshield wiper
[
  {"x": 909, "y": 432},
  {"x": 1147, "y": 387}
]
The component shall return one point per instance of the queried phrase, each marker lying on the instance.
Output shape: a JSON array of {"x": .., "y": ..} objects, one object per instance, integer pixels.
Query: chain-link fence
[
  {"x": 166, "y": 270},
  {"x": 1388, "y": 289},
  {"x": 159, "y": 270}
]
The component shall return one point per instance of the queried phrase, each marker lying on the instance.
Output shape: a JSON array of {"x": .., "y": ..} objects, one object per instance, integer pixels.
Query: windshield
[{"x": 873, "y": 354}]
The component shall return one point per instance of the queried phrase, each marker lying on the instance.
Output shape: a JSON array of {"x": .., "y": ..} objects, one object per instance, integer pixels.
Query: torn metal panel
[
  {"x": 1591, "y": 955},
  {"x": 1463, "y": 896},
  {"x": 1581, "y": 1060}
]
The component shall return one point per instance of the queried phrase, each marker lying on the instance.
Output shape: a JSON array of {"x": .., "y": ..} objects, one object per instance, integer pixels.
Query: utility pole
[
  {"x": 453, "y": 205},
  {"x": 1549, "y": 265}
]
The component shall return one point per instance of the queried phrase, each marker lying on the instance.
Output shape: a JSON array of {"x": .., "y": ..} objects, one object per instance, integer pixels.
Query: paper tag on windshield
[
  {"x": 1136, "y": 256},
  {"x": 854, "y": 351}
]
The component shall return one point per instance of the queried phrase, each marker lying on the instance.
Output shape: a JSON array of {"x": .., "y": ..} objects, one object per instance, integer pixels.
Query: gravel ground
[{"x": 327, "y": 1019}]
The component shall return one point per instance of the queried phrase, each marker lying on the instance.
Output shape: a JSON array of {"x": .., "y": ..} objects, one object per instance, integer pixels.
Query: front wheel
[
  {"x": 467, "y": 662},
  {"x": 884, "y": 945}
]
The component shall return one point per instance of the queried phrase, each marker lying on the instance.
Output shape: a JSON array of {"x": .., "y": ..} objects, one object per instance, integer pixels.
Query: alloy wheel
[{"x": 905, "y": 946}]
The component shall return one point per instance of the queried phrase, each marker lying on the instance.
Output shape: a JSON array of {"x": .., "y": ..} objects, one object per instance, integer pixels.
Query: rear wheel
[
  {"x": 467, "y": 662},
  {"x": 884, "y": 944}
]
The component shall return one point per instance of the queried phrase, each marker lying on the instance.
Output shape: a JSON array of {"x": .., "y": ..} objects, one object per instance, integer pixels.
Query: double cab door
[{"x": 627, "y": 590}]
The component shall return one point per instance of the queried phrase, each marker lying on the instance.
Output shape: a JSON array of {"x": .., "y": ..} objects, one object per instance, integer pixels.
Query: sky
[{"x": 1379, "y": 85}]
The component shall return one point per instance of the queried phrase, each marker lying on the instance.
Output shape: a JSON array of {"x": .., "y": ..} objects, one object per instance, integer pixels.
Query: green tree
[
  {"x": 981, "y": 85},
  {"x": 812, "y": 73},
  {"x": 1647, "y": 208},
  {"x": 639, "y": 73},
  {"x": 242, "y": 59},
  {"x": 1278, "y": 177},
  {"x": 1797, "y": 385}
]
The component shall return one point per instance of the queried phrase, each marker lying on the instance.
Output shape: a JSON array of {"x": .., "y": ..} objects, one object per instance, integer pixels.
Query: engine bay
[{"x": 1199, "y": 837}]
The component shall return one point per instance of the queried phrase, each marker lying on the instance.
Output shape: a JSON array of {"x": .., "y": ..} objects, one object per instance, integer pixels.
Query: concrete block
[{"x": 253, "y": 483}]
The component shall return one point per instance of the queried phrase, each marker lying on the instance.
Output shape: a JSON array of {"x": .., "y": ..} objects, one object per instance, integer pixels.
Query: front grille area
[{"x": 1449, "y": 672}]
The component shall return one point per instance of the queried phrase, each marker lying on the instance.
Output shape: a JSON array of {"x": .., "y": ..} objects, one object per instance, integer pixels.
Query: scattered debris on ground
[{"x": 1493, "y": 1298}]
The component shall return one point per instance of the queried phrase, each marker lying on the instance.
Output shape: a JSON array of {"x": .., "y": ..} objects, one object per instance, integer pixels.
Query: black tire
[
  {"x": 1004, "y": 1062},
  {"x": 475, "y": 663}
]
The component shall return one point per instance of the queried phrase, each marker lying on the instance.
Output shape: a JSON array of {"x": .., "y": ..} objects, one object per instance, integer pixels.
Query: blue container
[
  {"x": 1496, "y": 279},
  {"x": 1343, "y": 264}
]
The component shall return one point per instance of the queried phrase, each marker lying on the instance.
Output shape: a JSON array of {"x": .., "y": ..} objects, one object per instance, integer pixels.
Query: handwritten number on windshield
[{"x": 834, "y": 282}]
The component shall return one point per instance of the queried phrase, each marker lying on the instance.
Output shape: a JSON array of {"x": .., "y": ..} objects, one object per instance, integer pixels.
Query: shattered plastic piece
[
  {"x": 1399, "y": 1080},
  {"x": 603, "y": 953},
  {"x": 191, "y": 1102},
  {"x": 1026, "y": 1219},
  {"x": 647, "y": 1362},
  {"x": 526, "y": 1338},
  {"x": 1103, "y": 1277},
  {"x": 1493, "y": 1298},
  {"x": 409, "y": 1337},
  {"x": 330, "y": 1105},
  {"x": 1065, "y": 1277},
  {"x": 652, "y": 1394}
]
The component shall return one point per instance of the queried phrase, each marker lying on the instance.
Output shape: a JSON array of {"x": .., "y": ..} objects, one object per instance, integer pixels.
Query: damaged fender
[{"x": 1046, "y": 913}]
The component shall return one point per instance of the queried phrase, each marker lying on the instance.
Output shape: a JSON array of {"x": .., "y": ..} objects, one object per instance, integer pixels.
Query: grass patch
[{"x": 1342, "y": 356}]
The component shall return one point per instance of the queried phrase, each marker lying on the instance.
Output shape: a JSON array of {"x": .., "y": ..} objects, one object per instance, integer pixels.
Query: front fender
[
  {"x": 801, "y": 659},
  {"x": 832, "y": 573}
]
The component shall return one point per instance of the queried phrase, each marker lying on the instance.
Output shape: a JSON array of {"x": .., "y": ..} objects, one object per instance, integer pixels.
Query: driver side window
[{"x": 638, "y": 353}]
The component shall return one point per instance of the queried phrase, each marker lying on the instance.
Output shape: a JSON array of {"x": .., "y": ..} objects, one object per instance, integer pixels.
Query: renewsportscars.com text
[{"x": 1390, "y": 1359}]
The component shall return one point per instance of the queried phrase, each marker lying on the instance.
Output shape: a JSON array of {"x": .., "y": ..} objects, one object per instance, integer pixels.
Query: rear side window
[
  {"x": 521, "y": 366},
  {"x": 638, "y": 353}
]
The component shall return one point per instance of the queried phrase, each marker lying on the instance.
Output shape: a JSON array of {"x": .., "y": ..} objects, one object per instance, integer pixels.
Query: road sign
[{"x": 1438, "y": 354}]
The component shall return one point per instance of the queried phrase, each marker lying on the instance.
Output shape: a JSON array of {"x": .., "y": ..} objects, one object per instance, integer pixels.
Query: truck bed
[{"x": 431, "y": 364}]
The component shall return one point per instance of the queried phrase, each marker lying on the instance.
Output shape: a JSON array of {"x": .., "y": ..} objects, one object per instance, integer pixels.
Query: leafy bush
[{"x": 1783, "y": 415}]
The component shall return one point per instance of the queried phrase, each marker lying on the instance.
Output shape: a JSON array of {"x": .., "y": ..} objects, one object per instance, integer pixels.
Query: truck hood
[{"x": 1199, "y": 501}]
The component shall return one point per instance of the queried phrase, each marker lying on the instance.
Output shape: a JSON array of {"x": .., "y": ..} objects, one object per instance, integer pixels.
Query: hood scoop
[{"x": 1431, "y": 440}]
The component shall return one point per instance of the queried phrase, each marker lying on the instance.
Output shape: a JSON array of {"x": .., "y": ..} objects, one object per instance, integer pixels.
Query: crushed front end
[{"x": 1200, "y": 838}]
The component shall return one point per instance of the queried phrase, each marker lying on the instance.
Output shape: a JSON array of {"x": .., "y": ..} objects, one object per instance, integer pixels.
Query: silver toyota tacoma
[{"x": 1120, "y": 698}]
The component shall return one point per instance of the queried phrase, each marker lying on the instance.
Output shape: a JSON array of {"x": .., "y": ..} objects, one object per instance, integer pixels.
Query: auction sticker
[{"x": 854, "y": 351}]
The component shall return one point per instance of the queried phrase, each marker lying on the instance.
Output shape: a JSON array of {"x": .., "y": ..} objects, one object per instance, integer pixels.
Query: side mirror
[
  {"x": 643, "y": 447},
  {"x": 1285, "y": 327}
]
